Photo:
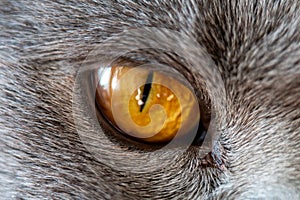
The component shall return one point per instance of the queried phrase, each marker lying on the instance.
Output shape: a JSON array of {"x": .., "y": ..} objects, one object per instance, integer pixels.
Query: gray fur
[{"x": 254, "y": 44}]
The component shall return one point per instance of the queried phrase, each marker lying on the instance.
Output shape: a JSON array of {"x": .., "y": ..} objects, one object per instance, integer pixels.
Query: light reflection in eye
[{"x": 105, "y": 77}]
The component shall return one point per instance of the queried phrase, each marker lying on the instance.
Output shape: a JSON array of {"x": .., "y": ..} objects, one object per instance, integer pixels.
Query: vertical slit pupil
[{"x": 146, "y": 90}]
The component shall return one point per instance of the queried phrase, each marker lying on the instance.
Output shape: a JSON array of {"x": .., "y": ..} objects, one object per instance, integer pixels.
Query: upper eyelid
[{"x": 145, "y": 38}]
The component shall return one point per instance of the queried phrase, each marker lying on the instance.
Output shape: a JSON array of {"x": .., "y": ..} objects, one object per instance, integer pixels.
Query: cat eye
[{"x": 147, "y": 105}]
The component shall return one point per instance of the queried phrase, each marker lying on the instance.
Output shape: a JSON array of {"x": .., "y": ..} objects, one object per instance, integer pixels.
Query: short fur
[{"x": 255, "y": 45}]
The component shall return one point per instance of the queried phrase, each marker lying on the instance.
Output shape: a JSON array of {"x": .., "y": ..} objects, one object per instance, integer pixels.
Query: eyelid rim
[{"x": 198, "y": 62}]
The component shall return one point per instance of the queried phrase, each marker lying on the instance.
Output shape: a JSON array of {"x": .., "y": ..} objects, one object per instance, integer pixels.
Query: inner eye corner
[{"x": 104, "y": 110}]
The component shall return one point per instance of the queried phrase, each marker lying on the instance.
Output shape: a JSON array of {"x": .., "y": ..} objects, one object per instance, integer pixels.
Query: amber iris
[{"x": 148, "y": 105}]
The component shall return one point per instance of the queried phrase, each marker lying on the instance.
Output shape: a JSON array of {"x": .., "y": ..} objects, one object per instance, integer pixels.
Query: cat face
[{"x": 243, "y": 56}]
